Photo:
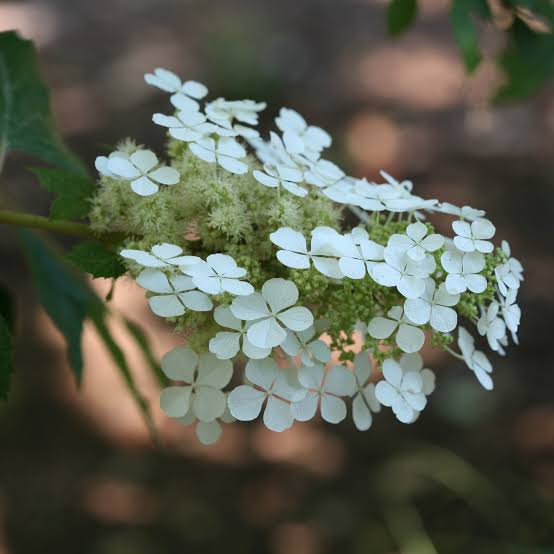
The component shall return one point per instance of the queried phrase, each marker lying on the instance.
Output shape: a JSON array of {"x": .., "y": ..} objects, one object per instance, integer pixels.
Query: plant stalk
[{"x": 61, "y": 226}]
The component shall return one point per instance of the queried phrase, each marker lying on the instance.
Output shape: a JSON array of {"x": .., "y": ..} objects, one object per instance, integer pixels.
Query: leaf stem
[{"x": 61, "y": 226}]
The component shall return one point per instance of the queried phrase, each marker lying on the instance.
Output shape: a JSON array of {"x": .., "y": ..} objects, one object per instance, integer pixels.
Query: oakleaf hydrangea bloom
[
  {"x": 204, "y": 377},
  {"x": 101, "y": 163},
  {"x": 300, "y": 343},
  {"x": 226, "y": 152},
  {"x": 377, "y": 286},
  {"x": 464, "y": 271},
  {"x": 324, "y": 250},
  {"x": 476, "y": 360},
  {"x": 403, "y": 392},
  {"x": 267, "y": 382},
  {"x": 161, "y": 255},
  {"x": 474, "y": 236},
  {"x": 187, "y": 125},
  {"x": 143, "y": 170},
  {"x": 364, "y": 401},
  {"x": 492, "y": 326},
  {"x": 409, "y": 337},
  {"x": 184, "y": 93},
  {"x": 511, "y": 312},
  {"x": 282, "y": 176},
  {"x": 218, "y": 274},
  {"x": 399, "y": 271},
  {"x": 270, "y": 311},
  {"x": 324, "y": 389},
  {"x": 226, "y": 344},
  {"x": 172, "y": 294},
  {"x": 416, "y": 243},
  {"x": 434, "y": 307},
  {"x": 299, "y": 137}
]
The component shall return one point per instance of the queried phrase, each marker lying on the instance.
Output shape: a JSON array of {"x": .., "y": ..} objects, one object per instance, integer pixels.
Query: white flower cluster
[{"x": 286, "y": 375}]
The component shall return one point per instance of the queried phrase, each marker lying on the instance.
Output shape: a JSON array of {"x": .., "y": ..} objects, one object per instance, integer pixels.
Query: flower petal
[
  {"x": 297, "y": 318},
  {"x": 305, "y": 409},
  {"x": 410, "y": 338},
  {"x": 278, "y": 415},
  {"x": 266, "y": 333},
  {"x": 165, "y": 175},
  {"x": 214, "y": 372},
  {"x": 250, "y": 307},
  {"x": 245, "y": 402},
  {"x": 179, "y": 364},
  {"x": 333, "y": 409},
  {"x": 143, "y": 186},
  {"x": 361, "y": 413},
  {"x": 167, "y": 305},
  {"x": 175, "y": 401},
  {"x": 225, "y": 345}
]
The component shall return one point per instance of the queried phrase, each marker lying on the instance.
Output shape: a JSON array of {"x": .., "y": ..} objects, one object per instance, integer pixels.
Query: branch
[{"x": 57, "y": 226}]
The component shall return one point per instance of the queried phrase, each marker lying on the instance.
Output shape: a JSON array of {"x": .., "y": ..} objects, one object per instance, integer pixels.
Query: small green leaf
[
  {"x": 64, "y": 296},
  {"x": 96, "y": 259},
  {"x": 400, "y": 15},
  {"x": 73, "y": 193},
  {"x": 26, "y": 123},
  {"x": 528, "y": 63},
  {"x": 6, "y": 355},
  {"x": 465, "y": 34}
]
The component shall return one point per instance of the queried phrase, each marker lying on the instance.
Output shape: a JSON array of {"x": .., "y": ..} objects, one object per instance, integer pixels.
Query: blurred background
[{"x": 475, "y": 474}]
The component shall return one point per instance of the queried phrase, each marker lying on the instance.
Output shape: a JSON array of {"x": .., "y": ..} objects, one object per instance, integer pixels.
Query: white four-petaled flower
[
  {"x": 184, "y": 94},
  {"x": 475, "y": 359},
  {"x": 218, "y": 274},
  {"x": 270, "y": 311},
  {"x": 403, "y": 273},
  {"x": 161, "y": 255},
  {"x": 491, "y": 325},
  {"x": 267, "y": 382},
  {"x": 204, "y": 377},
  {"x": 143, "y": 170},
  {"x": 226, "y": 344},
  {"x": 463, "y": 270},
  {"x": 416, "y": 242},
  {"x": 409, "y": 337},
  {"x": 324, "y": 389},
  {"x": 226, "y": 152},
  {"x": 172, "y": 294},
  {"x": 401, "y": 391},
  {"x": 324, "y": 250},
  {"x": 300, "y": 343},
  {"x": 281, "y": 176},
  {"x": 474, "y": 236},
  {"x": 434, "y": 307}
]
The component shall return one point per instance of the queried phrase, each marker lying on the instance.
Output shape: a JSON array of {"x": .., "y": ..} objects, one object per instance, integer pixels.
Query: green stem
[
  {"x": 57, "y": 226},
  {"x": 3, "y": 152},
  {"x": 453, "y": 352}
]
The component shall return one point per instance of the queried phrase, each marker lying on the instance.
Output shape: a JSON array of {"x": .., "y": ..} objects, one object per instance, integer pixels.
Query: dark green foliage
[
  {"x": 96, "y": 259},
  {"x": 6, "y": 354},
  {"x": 64, "y": 296},
  {"x": 465, "y": 33},
  {"x": 400, "y": 16},
  {"x": 528, "y": 62},
  {"x": 73, "y": 193},
  {"x": 26, "y": 123}
]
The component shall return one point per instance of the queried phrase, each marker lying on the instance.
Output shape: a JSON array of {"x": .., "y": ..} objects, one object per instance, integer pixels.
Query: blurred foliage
[{"x": 528, "y": 58}]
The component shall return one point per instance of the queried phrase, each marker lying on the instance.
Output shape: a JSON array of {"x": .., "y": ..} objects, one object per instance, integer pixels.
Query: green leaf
[
  {"x": 528, "y": 63},
  {"x": 26, "y": 123},
  {"x": 6, "y": 355},
  {"x": 64, "y": 296},
  {"x": 96, "y": 259},
  {"x": 400, "y": 15},
  {"x": 69, "y": 301},
  {"x": 465, "y": 34},
  {"x": 73, "y": 193}
]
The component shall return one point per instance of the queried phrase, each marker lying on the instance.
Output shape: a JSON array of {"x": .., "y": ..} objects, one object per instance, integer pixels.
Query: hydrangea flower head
[{"x": 247, "y": 242}]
